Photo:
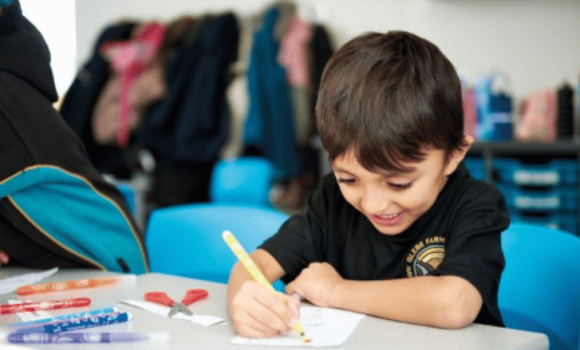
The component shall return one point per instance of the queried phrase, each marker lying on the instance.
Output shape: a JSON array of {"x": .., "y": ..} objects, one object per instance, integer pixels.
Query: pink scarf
[{"x": 130, "y": 59}]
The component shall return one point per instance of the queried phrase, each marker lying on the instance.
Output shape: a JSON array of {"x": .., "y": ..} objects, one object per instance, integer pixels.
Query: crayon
[
  {"x": 95, "y": 312},
  {"x": 32, "y": 306},
  {"x": 76, "y": 324},
  {"x": 73, "y": 337},
  {"x": 253, "y": 269},
  {"x": 65, "y": 285}
]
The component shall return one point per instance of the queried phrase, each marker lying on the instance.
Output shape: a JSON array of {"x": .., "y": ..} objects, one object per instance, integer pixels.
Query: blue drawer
[
  {"x": 553, "y": 173},
  {"x": 552, "y": 199},
  {"x": 560, "y": 221}
]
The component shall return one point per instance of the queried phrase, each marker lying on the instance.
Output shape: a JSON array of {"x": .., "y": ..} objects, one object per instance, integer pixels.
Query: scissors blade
[
  {"x": 174, "y": 310},
  {"x": 185, "y": 310}
]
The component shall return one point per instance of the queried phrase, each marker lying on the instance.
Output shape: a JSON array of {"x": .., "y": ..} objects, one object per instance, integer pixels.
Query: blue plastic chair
[
  {"x": 187, "y": 240},
  {"x": 243, "y": 180},
  {"x": 540, "y": 286}
]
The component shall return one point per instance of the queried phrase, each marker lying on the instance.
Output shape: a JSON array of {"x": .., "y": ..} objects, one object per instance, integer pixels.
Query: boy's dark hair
[{"x": 388, "y": 97}]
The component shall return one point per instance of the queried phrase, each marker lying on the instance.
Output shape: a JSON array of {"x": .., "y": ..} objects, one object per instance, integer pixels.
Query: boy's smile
[
  {"x": 388, "y": 220},
  {"x": 393, "y": 201}
]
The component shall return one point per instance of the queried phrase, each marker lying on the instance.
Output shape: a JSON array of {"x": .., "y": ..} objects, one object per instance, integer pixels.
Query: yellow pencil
[{"x": 245, "y": 259}]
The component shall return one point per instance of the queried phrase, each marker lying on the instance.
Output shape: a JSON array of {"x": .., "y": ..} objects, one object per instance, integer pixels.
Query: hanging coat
[
  {"x": 80, "y": 99},
  {"x": 270, "y": 123},
  {"x": 190, "y": 124}
]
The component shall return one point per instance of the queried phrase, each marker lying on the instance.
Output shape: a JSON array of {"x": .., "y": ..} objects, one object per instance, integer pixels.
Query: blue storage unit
[
  {"x": 551, "y": 199},
  {"x": 557, "y": 172},
  {"x": 539, "y": 180}
]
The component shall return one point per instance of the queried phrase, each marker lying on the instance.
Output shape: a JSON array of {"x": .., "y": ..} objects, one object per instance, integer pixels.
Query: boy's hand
[
  {"x": 316, "y": 284},
  {"x": 257, "y": 312},
  {"x": 4, "y": 258}
]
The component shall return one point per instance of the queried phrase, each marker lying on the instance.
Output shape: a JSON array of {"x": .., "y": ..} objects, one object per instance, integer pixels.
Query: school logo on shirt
[{"x": 425, "y": 256}]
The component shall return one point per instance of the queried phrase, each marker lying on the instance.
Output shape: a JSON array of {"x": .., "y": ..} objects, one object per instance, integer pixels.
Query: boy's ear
[{"x": 457, "y": 156}]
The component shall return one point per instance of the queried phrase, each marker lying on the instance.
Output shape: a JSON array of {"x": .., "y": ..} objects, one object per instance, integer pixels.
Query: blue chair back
[
  {"x": 187, "y": 240},
  {"x": 540, "y": 286},
  {"x": 244, "y": 180}
]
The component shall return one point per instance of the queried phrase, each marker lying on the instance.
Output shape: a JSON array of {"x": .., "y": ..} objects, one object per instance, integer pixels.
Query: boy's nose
[{"x": 373, "y": 203}]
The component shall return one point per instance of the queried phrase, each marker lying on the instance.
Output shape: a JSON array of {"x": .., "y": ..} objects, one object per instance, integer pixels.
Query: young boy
[{"x": 399, "y": 230}]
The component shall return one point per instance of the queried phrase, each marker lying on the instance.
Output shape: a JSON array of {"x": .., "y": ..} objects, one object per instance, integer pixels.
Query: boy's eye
[
  {"x": 345, "y": 181},
  {"x": 400, "y": 186}
]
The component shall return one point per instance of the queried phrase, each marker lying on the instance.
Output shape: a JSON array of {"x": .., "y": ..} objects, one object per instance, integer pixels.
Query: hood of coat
[{"x": 23, "y": 51}]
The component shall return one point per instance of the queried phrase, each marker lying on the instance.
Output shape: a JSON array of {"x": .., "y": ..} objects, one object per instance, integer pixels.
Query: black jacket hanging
[{"x": 190, "y": 125}]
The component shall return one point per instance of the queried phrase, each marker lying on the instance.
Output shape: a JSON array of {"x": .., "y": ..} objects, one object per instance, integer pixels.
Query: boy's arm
[
  {"x": 255, "y": 310},
  {"x": 438, "y": 301}
]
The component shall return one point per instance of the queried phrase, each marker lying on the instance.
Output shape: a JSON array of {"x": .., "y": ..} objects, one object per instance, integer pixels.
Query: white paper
[
  {"x": 204, "y": 320},
  {"x": 324, "y": 326},
  {"x": 10, "y": 284}
]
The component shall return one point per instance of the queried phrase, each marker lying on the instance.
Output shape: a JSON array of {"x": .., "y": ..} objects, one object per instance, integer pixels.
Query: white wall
[
  {"x": 57, "y": 26},
  {"x": 535, "y": 42}
]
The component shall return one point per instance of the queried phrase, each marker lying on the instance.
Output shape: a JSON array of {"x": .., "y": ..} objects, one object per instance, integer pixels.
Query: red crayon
[{"x": 32, "y": 306}]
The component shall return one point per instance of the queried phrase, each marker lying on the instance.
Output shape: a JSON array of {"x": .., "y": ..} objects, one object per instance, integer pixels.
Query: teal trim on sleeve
[
  {"x": 20, "y": 181},
  {"x": 72, "y": 213}
]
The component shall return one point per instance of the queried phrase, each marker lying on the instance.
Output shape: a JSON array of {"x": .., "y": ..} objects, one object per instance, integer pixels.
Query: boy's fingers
[
  {"x": 294, "y": 304},
  {"x": 268, "y": 312},
  {"x": 290, "y": 288},
  {"x": 255, "y": 332},
  {"x": 257, "y": 317},
  {"x": 261, "y": 328},
  {"x": 279, "y": 304}
]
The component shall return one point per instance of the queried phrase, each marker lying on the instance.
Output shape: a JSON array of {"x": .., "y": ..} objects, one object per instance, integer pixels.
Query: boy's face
[{"x": 393, "y": 201}]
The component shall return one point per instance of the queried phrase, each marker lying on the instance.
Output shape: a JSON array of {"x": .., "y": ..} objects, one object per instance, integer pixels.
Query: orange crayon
[{"x": 66, "y": 285}]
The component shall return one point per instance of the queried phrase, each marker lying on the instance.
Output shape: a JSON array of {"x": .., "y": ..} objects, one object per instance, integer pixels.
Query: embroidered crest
[{"x": 425, "y": 256}]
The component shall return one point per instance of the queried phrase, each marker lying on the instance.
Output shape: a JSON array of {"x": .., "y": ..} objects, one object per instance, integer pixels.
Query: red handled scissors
[{"x": 190, "y": 297}]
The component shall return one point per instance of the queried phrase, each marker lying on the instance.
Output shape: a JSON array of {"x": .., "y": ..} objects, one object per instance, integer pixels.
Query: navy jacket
[{"x": 190, "y": 124}]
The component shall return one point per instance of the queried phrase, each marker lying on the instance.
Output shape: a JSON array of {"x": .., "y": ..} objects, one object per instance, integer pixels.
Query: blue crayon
[
  {"x": 76, "y": 324},
  {"x": 40, "y": 338},
  {"x": 96, "y": 312}
]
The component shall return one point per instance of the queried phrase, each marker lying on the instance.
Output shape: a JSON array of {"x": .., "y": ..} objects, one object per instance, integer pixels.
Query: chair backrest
[
  {"x": 187, "y": 240},
  {"x": 540, "y": 286},
  {"x": 244, "y": 180}
]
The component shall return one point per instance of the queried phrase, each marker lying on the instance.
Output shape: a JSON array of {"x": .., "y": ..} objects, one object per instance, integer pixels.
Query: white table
[{"x": 371, "y": 333}]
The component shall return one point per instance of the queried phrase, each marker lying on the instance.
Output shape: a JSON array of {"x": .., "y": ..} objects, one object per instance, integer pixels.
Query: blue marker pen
[
  {"x": 96, "y": 312},
  {"x": 41, "y": 338},
  {"x": 79, "y": 323}
]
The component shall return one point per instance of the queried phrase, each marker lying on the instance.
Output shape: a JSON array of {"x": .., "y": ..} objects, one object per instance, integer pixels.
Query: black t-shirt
[{"x": 459, "y": 235}]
